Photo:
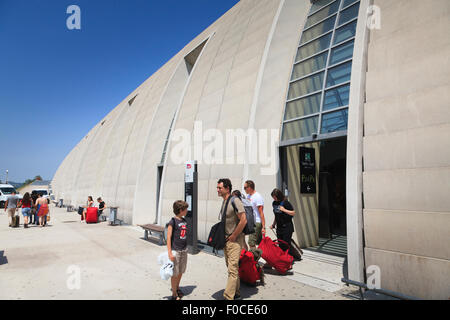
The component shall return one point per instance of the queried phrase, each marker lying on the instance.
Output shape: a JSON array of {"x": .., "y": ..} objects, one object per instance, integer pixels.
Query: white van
[
  {"x": 5, "y": 191},
  {"x": 43, "y": 192}
]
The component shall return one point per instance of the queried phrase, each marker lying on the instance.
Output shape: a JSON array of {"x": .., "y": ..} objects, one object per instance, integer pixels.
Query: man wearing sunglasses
[{"x": 258, "y": 210}]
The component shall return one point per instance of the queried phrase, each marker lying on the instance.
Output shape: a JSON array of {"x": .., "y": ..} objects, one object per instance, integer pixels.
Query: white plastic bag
[{"x": 166, "y": 271}]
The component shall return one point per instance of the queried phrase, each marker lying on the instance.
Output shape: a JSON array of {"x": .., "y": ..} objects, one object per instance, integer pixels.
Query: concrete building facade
[{"x": 362, "y": 84}]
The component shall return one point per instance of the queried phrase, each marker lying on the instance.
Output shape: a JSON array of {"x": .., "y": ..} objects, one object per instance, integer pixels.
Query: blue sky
[{"x": 56, "y": 84}]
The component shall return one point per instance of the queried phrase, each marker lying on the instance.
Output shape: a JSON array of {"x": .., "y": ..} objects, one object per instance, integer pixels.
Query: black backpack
[
  {"x": 216, "y": 238},
  {"x": 251, "y": 223}
]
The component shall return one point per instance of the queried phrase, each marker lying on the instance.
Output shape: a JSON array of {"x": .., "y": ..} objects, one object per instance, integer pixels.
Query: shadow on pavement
[
  {"x": 247, "y": 291},
  {"x": 37, "y": 226},
  {"x": 188, "y": 290},
  {"x": 276, "y": 273},
  {"x": 3, "y": 259},
  {"x": 218, "y": 295}
]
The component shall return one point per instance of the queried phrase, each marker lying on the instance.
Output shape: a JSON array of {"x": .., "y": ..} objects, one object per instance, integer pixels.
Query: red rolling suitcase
[
  {"x": 249, "y": 270},
  {"x": 92, "y": 215},
  {"x": 275, "y": 256}
]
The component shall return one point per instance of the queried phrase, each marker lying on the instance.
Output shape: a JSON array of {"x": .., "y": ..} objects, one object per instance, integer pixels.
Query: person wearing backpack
[
  {"x": 284, "y": 212},
  {"x": 235, "y": 222},
  {"x": 257, "y": 202},
  {"x": 247, "y": 204}
]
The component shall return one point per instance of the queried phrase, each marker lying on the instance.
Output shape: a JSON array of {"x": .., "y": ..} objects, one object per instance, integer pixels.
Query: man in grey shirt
[{"x": 11, "y": 206}]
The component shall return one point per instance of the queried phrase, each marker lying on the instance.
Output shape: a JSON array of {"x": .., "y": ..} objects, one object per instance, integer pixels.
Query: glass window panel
[
  {"x": 344, "y": 33},
  {"x": 306, "y": 86},
  {"x": 341, "y": 53},
  {"x": 339, "y": 74},
  {"x": 319, "y": 4},
  {"x": 348, "y": 2},
  {"x": 313, "y": 47},
  {"x": 310, "y": 66},
  {"x": 300, "y": 129},
  {"x": 335, "y": 121},
  {"x": 336, "y": 98},
  {"x": 303, "y": 107},
  {"x": 322, "y": 14},
  {"x": 319, "y": 29},
  {"x": 349, "y": 14}
]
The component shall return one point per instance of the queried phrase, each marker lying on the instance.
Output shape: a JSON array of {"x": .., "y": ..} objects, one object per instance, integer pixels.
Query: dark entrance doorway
[
  {"x": 158, "y": 185},
  {"x": 332, "y": 188}
]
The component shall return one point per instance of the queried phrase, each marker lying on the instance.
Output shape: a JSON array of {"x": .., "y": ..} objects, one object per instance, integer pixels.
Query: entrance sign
[{"x": 307, "y": 170}]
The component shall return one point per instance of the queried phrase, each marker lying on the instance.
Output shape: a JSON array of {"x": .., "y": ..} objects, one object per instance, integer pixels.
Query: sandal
[{"x": 174, "y": 298}]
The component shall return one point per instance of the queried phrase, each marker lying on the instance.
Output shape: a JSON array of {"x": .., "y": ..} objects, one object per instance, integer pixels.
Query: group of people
[
  {"x": 282, "y": 209},
  {"x": 36, "y": 206},
  {"x": 235, "y": 222},
  {"x": 35, "y": 209},
  {"x": 91, "y": 204}
]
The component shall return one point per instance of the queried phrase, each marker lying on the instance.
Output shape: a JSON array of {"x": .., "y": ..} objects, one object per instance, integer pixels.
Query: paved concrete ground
[{"x": 115, "y": 263}]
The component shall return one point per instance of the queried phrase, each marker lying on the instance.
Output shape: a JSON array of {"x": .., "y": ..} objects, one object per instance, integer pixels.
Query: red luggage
[
  {"x": 275, "y": 256},
  {"x": 92, "y": 215},
  {"x": 249, "y": 270}
]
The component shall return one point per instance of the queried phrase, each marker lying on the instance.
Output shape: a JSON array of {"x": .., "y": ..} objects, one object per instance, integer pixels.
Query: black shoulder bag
[{"x": 216, "y": 238}]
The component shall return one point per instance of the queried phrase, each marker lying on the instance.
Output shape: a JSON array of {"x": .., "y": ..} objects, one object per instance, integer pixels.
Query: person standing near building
[
  {"x": 258, "y": 210},
  {"x": 284, "y": 212},
  {"x": 177, "y": 241},
  {"x": 42, "y": 210},
  {"x": 34, "y": 197},
  {"x": 27, "y": 203},
  {"x": 11, "y": 206},
  {"x": 245, "y": 202},
  {"x": 234, "y": 225}
]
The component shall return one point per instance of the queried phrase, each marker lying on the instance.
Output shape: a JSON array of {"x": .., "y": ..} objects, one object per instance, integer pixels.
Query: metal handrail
[{"x": 382, "y": 291}]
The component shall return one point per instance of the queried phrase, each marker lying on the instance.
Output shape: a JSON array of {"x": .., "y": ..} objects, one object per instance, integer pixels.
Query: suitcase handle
[{"x": 278, "y": 240}]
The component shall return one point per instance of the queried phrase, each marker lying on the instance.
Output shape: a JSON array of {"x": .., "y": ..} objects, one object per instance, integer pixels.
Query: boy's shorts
[{"x": 180, "y": 263}]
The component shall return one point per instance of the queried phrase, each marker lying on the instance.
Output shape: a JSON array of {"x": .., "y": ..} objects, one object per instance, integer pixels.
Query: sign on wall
[
  {"x": 307, "y": 170},
  {"x": 189, "y": 181}
]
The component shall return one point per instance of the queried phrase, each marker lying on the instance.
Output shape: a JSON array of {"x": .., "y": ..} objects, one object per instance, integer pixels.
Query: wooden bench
[{"x": 153, "y": 228}]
